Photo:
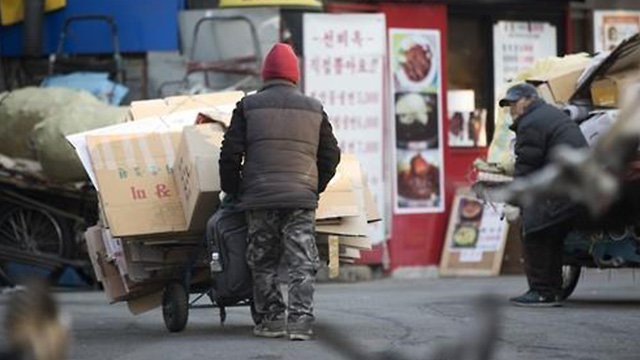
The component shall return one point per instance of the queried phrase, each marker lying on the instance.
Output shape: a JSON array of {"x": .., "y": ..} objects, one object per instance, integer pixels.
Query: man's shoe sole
[
  {"x": 536, "y": 305},
  {"x": 270, "y": 334},
  {"x": 300, "y": 337}
]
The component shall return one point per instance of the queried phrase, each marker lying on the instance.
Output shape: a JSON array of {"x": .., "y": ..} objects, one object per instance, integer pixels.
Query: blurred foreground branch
[{"x": 477, "y": 343}]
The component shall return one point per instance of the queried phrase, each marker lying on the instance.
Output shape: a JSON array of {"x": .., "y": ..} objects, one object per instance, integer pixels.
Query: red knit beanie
[{"x": 281, "y": 63}]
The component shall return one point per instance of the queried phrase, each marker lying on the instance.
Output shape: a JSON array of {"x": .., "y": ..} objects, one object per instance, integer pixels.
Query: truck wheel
[
  {"x": 570, "y": 278},
  {"x": 175, "y": 307}
]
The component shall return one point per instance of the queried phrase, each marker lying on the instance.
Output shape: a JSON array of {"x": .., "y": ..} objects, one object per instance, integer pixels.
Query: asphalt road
[{"x": 411, "y": 317}]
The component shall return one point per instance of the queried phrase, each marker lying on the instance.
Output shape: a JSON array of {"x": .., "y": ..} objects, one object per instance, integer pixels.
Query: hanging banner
[
  {"x": 344, "y": 69},
  {"x": 517, "y": 45},
  {"x": 611, "y": 27},
  {"x": 416, "y": 96}
]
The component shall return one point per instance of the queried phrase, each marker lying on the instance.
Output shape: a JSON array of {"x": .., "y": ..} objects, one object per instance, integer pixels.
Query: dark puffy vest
[{"x": 280, "y": 167}]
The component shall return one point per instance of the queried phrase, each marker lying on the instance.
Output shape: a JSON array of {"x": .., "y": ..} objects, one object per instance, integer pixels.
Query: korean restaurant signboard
[
  {"x": 517, "y": 45},
  {"x": 611, "y": 27},
  {"x": 344, "y": 57}
]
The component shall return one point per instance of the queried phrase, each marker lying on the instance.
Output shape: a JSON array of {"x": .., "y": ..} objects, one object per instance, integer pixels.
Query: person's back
[
  {"x": 278, "y": 155},
  {"x": 283, "y": 128}
]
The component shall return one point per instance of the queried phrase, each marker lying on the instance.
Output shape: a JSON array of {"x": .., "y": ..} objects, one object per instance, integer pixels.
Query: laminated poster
[{"x": 416, "y": 105}]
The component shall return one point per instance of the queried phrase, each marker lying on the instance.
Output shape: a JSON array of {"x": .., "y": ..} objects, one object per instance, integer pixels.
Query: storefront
[{"x": 484, "y": 46}]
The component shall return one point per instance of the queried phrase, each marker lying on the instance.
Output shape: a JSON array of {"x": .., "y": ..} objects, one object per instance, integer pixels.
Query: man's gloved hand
[
  {"x": 222, "y": 196},
  {"x": 511, "y": 213}
]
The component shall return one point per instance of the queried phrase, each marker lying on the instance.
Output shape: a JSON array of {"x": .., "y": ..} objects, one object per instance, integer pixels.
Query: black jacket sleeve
[
  {"x": 328, "y": 154},
  {"x": 233, "y": 151},
  {"x": 530, "y": 150}
]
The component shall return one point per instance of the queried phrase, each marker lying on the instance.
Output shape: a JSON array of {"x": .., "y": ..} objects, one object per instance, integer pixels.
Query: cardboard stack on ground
[
  {"x": 158, "y": 184},
  {"x": 345, "y": 210}
]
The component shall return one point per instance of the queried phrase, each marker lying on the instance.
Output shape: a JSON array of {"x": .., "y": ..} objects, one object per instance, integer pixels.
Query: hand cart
[
  {"x": 42, "y": 223},
  {"x": 247, "y": 66},
  {"x": 61, "y": 63},
  {"x": 194, "y": 278}
]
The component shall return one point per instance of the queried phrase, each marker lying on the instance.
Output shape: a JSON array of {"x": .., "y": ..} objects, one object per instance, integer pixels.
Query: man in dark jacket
[
  {"x": 539, "y": 128},
  {"x": 278, "y": 155}
]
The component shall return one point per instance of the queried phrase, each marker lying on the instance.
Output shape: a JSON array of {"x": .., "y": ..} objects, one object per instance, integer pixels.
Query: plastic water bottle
[{"x": 215, "y": 264}]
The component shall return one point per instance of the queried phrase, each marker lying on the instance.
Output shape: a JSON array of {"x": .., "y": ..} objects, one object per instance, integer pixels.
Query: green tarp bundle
[{"x": 35, "y": 121}]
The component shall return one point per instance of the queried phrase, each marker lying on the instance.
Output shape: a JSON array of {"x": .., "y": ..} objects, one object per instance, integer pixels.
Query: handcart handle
[
  {"x": 104, "y": 18},
  {"x": 252, "y": 28}
]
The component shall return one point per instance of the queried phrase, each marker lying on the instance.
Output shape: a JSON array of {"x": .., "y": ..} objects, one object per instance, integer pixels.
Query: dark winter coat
[
  {"x": 279, "y": 151},
  {"x": 540, "y": 129}
]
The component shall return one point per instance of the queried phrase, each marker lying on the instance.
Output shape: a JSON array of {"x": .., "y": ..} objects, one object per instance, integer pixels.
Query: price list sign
[{"x": 344, "y": 69}]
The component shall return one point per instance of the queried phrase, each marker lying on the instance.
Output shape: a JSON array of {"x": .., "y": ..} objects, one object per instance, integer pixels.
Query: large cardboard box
[
  {"x": 557, "y": 87},
  {"x": 196, "y": 173},
  {"x": 223, "y": 102},
  {"x": 137, "y": 188},
  {"x": 610, "y": 90},
  {"x": 106, "y": 272}
]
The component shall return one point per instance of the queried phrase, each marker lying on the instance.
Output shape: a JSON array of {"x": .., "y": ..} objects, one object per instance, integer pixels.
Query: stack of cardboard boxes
[{"x": 158, "y": 185}]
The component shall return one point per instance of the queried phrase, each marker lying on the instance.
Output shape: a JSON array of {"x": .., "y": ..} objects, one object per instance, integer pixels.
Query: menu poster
[
  {"x": 611, "y": 27},
  {"x": 517, "y": 45},
  {"x": 344, "y": 69},
  {"x": 476, "y": 237},
  {"x": 416, "y": 94}
]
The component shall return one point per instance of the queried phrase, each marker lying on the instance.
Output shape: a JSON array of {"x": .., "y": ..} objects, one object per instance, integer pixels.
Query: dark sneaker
[
  {"x": 270, "y": 329},
  {"x": 300, "y": 331},
  {"x": 534, "y": 298}
]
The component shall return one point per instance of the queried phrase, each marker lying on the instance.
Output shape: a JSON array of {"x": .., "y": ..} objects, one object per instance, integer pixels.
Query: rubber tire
[
  {"x": 569, "y": 280},
  {"x": 175, "y": 307}
]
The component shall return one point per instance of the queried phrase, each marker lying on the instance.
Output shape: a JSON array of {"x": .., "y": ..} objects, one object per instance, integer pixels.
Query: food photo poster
[{"x": 416, "y": 95}]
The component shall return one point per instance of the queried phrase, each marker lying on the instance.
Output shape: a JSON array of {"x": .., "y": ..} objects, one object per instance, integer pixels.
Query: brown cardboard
[
  {"x": 334, "y": 257},
  {"x": 160, "y": 107},
  {"x": 350, "y": 225},
  {"x": 145, "y": 303},
  {"x": 373, "y": 215},
  {"x": 152, "y": 254},
  {"x": 93, "y": 238},
  {"x": 338, "y": 200},
  {"x": 558, "y": 86},
  {"x": 357, "y": 242},
  {"x": 137, "y": 188},
  {"x": 610, "y": 90},
  {"x": 196, "y": 173},
  {"x": 106, "y": 272}
]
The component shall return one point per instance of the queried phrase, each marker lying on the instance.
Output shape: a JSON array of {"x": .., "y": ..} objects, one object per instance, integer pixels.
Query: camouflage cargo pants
[{"x": 288, "y": 233}]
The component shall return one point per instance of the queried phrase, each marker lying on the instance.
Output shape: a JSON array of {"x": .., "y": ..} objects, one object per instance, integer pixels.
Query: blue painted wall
[{"x": 143, "y": 25}]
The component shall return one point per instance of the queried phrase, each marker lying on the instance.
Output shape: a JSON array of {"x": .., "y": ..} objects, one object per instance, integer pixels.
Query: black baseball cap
[{"x": 517, "y": 92}]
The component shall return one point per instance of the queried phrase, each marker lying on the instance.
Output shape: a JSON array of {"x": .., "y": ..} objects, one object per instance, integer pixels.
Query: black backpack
[{"x": 226, "y": 234}]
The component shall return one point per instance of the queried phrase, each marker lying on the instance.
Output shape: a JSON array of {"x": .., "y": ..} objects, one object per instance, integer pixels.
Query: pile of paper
[
  {"x": 158, "y": 184},
  {"x": 344, "y": 212}
]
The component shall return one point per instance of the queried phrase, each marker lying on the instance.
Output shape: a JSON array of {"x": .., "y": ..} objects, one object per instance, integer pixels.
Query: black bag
[{"x": 226, "y": 234}]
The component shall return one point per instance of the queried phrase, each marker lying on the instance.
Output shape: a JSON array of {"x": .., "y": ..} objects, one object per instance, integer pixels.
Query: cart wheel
[
  {"x": 34, "y": 230},
  {"x": 570, "y": 278},
  {"x": 175, "y": 307}
]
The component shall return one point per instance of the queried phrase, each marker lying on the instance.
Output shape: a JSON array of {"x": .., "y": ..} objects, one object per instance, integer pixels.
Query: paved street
[{"x": 601, "y": 321}]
